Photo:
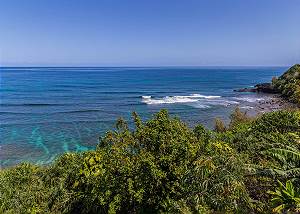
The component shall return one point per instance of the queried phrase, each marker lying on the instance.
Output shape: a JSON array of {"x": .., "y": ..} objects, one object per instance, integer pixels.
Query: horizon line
[{"x": 132, "y": 66}]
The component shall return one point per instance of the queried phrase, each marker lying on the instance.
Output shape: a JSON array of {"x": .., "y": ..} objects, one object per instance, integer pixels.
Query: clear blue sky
[{"x": 149, "y": 32}]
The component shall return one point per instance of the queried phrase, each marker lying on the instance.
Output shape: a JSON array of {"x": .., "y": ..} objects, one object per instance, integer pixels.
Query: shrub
[
  {"x": 162, "y": 166},
  {"x": 238, "y": 117},
  {"x": 219, "y": 125},
  {"x": 286, "y": 198},
  {"x": 21, "y": 190}
]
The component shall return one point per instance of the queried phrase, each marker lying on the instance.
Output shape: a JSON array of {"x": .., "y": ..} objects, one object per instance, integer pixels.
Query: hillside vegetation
[
  {"x": 162, "y": 166},
  {"x": 288, "y": 84}
]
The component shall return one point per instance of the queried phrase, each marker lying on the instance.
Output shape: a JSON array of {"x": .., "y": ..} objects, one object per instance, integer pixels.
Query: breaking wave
[
  {"x": 176, "y": 99},
  {"x": 195, "y": 100}
]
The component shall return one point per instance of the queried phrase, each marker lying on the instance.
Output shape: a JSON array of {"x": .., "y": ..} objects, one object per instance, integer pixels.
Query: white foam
[
  {"x": 203, "y": 101},
  {"x": 250, "y": 99},
  {"x": 199, "y": 105},
  {"x": 176, "y": 99},
  {"x": 168, "y": 100},
  {"x": 247, "y": 107},
  {"x": 222, "y": 102},
  {"x": 201, "y": 96},
  {"x": 146, "y": 97}
]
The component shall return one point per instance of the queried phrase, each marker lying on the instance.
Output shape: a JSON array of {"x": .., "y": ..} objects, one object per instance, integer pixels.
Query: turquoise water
[{"x": 47, "y": 111}]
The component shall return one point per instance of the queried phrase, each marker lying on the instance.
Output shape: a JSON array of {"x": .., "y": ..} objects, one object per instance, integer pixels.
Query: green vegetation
[
  {"x": 162, "y": 166},
  {"x": 286, "y": 198},
  {"x": 288, "y": 84}
]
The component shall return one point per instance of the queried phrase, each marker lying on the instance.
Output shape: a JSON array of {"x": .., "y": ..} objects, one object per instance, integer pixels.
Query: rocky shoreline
[
  {"x": 273, "y": 100},
  {"x": 274, "y": 103},
  {"x": 284, "y": 91}
]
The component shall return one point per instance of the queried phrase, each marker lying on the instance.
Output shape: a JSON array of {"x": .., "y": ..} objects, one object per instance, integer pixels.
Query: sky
[{"x": 149, "y": 32}]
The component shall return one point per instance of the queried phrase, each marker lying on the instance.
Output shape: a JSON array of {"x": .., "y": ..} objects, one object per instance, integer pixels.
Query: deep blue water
[{"x": 47, "y": 111}]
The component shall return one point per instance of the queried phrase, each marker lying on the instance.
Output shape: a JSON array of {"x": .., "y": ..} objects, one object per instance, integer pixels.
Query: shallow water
[{"x": 47, "y": 111}]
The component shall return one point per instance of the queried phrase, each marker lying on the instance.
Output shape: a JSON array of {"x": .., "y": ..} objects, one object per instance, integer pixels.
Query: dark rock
[
  {"x": 260, "y": 88},
  {"x": 246, "y": 90},
  {"x": 266, "y": 88}
]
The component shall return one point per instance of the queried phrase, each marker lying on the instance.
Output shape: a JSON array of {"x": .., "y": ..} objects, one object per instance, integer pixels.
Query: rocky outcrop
[
  {"x": 287, "y": 86},
  {"x": 246, "y": 90},
  {"x": 260, "y": 88},
  {"x": 266, "y": 88}
]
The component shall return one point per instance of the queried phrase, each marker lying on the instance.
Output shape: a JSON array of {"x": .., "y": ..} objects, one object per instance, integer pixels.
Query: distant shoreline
[{"x": 284, "y": 92}]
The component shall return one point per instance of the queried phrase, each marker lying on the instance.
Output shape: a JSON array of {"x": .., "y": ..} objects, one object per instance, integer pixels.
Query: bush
[
  {"x": 163, "y": 166},
  {"x": 21, "y": 190},
  {"x": 286, "y": 198},
  {"x": 238, "y": 117},
  {"x": 220, "y": 125},
  {"x": 160, "y": 167}
]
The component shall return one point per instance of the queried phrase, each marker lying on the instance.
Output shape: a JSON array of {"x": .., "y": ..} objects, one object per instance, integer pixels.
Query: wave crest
[{"x": 176, "y": 99}]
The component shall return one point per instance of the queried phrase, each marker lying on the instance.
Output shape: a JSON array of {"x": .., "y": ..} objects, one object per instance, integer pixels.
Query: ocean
[{"x": 46, "y": 111}]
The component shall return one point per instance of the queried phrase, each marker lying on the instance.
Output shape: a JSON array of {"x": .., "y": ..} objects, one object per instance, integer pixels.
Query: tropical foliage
[
  {"x": 286, "y": 198},
  {"x": 163, "y": 166}
]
